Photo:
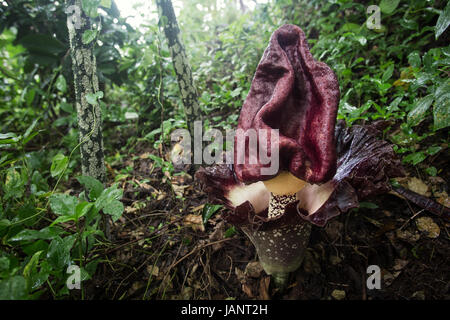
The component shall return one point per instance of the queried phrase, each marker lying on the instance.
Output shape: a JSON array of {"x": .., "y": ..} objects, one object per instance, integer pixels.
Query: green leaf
[
  {"x": 63, "y": 204},
  {"x": 29, "y": 234},
  {"x": 441, "y": 108},
  {"x": 42, "y": 45},
  {"x": 415, "y": 158},
  {"x": 58, "y": 254},
  {"x": 209, "y": 210},
  {"x": 91, "y": 98},
  {"x": 10, "y": 137},
  {"x": 109, "y": 202},
  {"x": 443, "y": 21},
  {"x": 61, "y": 83},
  {"x": 14, "y": 185},
  {"x": 32, "y": 264},
  {"x": 433, "y": 150},
  {"x": 90, "y": 7},
  {"x": 83, "y": 208},
  {"x": 30, "y": 128},
  {"x": 236, "y": 92},
  {"x": 388, "y": 6},
  {"x": 88, "y": 36},
  {"x": 414, "y": 59},
  {"x": 105, "y": 3},
  {"x": 432, "y": 171},
  {"x": 59, "y": 164},
  {"x": 67, "y": 107},
  {"x": 14, "y": 288},
  {"x": 388, "y": 73},
  {"x": 230, "y": 232},
  {"x": 114, "y": 208},
  {"x": 415, "y": 116},
  {"x": 94, "y": 186}
]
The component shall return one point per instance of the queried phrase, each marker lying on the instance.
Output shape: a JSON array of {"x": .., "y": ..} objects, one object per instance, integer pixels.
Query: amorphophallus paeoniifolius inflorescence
[{"x": 324, "y": 169}]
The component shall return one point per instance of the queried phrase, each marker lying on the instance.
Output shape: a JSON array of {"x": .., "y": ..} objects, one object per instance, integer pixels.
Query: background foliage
[{"x": 398, "y": 73}]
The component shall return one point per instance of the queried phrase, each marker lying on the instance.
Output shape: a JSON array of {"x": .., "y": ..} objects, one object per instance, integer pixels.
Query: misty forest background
[{"x": 138, "y": 227}]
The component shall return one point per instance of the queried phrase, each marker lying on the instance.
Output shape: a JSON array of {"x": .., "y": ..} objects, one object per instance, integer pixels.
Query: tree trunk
[
  {"x": 85, "y": 82},
  {"x": 189, "y": 95}
]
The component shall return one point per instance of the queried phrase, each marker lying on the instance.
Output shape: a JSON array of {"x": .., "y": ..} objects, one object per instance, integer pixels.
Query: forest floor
[{"x": 161, "y": 250}]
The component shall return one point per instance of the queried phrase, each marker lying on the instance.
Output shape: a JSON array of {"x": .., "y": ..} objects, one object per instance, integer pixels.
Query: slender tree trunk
[
  {"x": 85, "y": 82},
  {"x": 189, "y": 95}
]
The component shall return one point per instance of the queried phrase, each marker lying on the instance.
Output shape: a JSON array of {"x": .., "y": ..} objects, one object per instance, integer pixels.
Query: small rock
[
  {"x": 428, "y": 227},
  {"x": 338, "y": 294}
]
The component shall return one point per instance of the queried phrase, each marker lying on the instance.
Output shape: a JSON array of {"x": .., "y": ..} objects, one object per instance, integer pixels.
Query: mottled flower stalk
[{"x": 281, "y": 250}]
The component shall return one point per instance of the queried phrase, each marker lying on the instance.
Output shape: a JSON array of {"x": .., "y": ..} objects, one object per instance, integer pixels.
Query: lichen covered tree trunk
[
  {"x": 85, "y": 82},
  {"x": 189, "y": 95}
]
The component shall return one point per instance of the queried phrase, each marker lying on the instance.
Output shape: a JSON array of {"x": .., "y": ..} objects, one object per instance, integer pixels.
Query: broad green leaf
[
  {"x": 388, "y": 73},
  {"x": 32, "y": 264},
  {"x": 432, "y": 171},
  {"x": 29, "y": 234},
  {"x": 14, "y": 185},
  {"x": 94, "y": 186},
  {"x": 10, "y": 137},
  {"x": 90, "y": 7},
  {"x": 42, "y": 45},
  {"x": 109, "y": 202},
  {"x": 388, "y": 6},
  {"x": 59, "y": 164},
  {"x": 83, "y": 208},
  {"x": 114, "y": 208},
  {"x": 67, "y": 107},
  {"x": 209, "y": 210},
  {"x": 58, "y": 254},
  {"x": 441, "y": 108},
  {"x": 433, "y": 150},
  {"x": 414, "y": 59},
  {"x": 108, "y": 195},
  {"x": 443, "y": 21},
  {"x": 63, "y": 204},
  {"x": 415, "y": 116},
  {"x": 61, "y": 83},
  {"x": 14, "y": 288},
  {"x": 91, "y": 98},
  {"x": 30, "y": 128},
  {"x": 4, "y": 223},
  {"x": 415, "y": 158},
  {"x": 88, "y": 36}
]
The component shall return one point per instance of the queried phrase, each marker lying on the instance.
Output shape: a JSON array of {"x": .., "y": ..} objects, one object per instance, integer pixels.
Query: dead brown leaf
[
  {"x": 195, "y": 222},
  {"x": 264, "y": 283}
]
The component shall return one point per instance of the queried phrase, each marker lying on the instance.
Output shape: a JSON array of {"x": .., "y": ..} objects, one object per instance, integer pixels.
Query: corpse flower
[{"x": 324, "y": 169}]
